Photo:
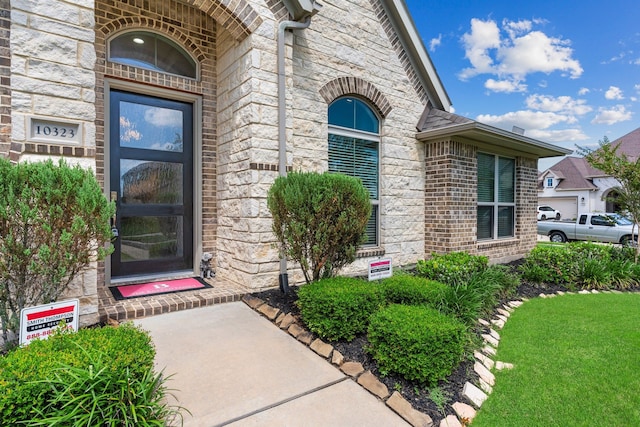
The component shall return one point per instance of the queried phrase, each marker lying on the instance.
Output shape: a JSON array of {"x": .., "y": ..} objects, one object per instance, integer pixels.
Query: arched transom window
[
  {"x": 152, "y": 51},
  {"x": 354, "y": 139}
]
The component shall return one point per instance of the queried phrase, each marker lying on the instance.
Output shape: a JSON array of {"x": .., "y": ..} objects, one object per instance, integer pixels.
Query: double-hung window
[
  {"x": 354, "y": 137},
  {"x": 496, "y": 197}
]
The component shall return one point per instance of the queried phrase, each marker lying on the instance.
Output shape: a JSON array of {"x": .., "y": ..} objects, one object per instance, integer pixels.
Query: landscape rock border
[{"x": 475, "y": 394}]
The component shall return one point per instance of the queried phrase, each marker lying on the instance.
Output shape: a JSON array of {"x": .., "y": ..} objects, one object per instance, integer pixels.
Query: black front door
[{"x": 151, "y": 167}]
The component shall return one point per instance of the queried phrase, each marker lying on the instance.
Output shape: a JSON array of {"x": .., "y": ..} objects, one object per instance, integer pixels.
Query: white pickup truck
[{"x": 595, "y": 227}]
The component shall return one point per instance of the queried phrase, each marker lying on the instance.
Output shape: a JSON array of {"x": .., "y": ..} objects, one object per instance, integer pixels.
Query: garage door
[{"x": 568, "y": 206}]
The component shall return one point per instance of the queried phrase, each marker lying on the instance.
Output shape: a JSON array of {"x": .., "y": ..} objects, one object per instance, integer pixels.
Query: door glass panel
[
  {"x": 144, "y": 182},
  {"x": 151, "y": 237},
  {"x": 150, "y": 127}
]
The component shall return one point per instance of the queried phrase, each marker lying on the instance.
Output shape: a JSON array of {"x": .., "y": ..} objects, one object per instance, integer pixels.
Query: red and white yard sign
[{"x": 40, "y": 322}]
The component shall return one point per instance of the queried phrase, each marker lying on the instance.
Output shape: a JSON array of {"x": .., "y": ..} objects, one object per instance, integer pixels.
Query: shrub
[
  {"x": 27, "y": 374},
  {"x": 340, "y": 307},
  {"x": 463, "y": 302},
  {"x": 454, "y": 267},
  {"x": 550, "y": 264},
  {"x": 412, "y": 290},
  {"x": 54, "y": 221},
  {"x": 319, "y": 220},
  {"x": 417, "y": 342}
]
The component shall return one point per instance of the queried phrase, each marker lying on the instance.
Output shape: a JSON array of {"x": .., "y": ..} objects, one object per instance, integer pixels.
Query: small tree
[
  {"x": 627, "y": 172},
  {"x": 319, "y": 220},
  {"x": 54, "y": 221}
]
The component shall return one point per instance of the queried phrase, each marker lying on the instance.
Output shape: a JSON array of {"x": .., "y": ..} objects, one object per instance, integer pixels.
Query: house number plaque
[{"x": 42, "y": 130}]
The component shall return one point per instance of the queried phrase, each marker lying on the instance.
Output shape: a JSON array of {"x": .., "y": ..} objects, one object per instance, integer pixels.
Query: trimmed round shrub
[
  {"x": 417, "y": 342},
  {"x": 412, "y": 290},
  {"x": 339, "y": 307},
  {"x": 452, "y": 268},
  {"x": 26, "y": 373}
]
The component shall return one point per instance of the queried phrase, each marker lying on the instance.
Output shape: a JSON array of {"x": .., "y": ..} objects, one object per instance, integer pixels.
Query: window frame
[
  {"x": 367, "y": 136},
  {"x": 549, "y": 182},
  {"x": 155, "y": 35},
  {"x": 496, "y": 204}
]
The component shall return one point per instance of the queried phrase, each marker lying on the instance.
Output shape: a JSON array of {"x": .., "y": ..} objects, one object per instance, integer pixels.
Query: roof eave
[
  {"x": 489, "y": 135},
  {"x": 413, "y": 45}
]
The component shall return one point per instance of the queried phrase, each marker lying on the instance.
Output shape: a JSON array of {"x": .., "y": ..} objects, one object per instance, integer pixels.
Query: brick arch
[
  {"x": 238, "y": 17},
  {"x": 138, "y": 22},
  {"x": 356, "y": 86}
]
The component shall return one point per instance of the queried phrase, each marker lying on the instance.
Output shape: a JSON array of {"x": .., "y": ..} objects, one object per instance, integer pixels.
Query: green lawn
[{"x": 577, "y": 363}]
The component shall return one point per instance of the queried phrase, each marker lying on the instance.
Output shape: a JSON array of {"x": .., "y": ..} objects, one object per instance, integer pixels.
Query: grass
[{"x": 576, "y": 363}]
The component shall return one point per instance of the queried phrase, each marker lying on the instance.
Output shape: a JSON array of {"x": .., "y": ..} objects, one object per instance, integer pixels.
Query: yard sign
[
  {"x": 380, "y": 269},
  {"x": 40, "y": 322}
]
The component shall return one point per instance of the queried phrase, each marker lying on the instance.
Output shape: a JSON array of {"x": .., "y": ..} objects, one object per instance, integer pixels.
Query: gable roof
[
  {"x": 437, "y": 124},
  {"x": 629, "y": 145},
  {"x": 407, "y": 36},
  {"x": 574, "y": 173}
]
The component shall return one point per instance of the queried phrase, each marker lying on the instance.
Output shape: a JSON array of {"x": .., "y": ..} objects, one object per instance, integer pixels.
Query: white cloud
[
  {"x": 613, "y": 93},
  {"x": 128, "y": 131},
  {"x": 561, "y": 135},
  {"x": 515, "y": 53},
  {"x": 484, "y": 35},
  {"x": 637, "y": 88},
  {"x": 610, "y": 116},
  {"x": 434, "y": 43},
  {"x": 559, "y": 104},
  {"x": 583, "y": 91},
  {"x": 163, "y": 117},
  {"x": 526, "y": 119},
  {"x": 507, "y": 86}
]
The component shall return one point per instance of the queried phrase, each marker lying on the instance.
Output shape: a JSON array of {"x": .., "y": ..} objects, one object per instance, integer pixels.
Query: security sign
[
  {"x": 41, "y": 321},
  {"x": 380, "y": 269}
]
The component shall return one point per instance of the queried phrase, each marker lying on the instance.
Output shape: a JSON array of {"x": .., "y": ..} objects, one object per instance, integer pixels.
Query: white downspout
[{"x": 283, "y": 278}]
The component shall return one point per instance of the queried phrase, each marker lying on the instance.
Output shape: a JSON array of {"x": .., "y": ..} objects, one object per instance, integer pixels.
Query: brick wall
[
  {"x": 179, "y": 22},
  {"x": 450, "y": 197}
]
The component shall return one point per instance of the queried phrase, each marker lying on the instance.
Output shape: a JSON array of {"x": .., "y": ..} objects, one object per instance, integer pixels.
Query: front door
[{"x": 151, "y": 170}]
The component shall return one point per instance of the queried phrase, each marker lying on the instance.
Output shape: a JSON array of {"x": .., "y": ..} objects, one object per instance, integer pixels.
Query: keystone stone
[
  {"x": 269, "y": 312},
  {"x": 406, "y": 411},
  {"x": 484, "y": 359},
  {"x": 353, "y": 369},
  {"x": 450, "y": 421},
  {"x": 337, "y": 358},
  {"x": 252, "y": 301},
  {"x": 484, "y": 373},
  {"x": 490, "y": 340},
  {"x": 305, "y": 337},
  {"x": 474, "y": 394},
  {"x": 504, "y": 312},
  {"x": 371, "y": 383},
  {"x": 295, "y": 330},
  {"x": 322, "y": 348},
  {"x": 287, "y": 321},
  {"x": 464, "y": 411}
]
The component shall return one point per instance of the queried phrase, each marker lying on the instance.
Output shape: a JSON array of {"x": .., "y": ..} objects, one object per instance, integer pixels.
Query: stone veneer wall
[
  {"x": 197, "y": 33},
  {"x": 5, "y": 78},
  {"x": 350, "y": 46}
]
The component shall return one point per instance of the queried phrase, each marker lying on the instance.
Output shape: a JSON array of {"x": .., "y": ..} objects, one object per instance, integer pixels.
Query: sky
[{"x": 566, "y": 71}]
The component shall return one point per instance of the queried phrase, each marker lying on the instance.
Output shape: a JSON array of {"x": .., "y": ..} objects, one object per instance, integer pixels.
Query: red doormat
[{"x": 157, "y": 288}]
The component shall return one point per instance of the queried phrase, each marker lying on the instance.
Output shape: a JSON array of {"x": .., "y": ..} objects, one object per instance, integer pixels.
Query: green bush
[
  {"x": 319, "y": 220},
  {"x": 417, "y": 342},
  {"x": 582, "y": 265},
  {"x": 412, "y": 290},
  {"x": 451, "y": 268},
  {"x": 339, "y": 307},
  {"x": 54, "y": 221},
  {"x": 34, "y": 378}
]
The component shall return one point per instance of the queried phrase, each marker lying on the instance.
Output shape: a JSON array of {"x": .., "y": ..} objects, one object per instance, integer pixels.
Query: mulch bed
[{"x": 413, "y": 392}]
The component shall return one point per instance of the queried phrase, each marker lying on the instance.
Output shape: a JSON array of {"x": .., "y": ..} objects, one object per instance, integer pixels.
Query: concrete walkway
[{"x": 233, "y": 367}]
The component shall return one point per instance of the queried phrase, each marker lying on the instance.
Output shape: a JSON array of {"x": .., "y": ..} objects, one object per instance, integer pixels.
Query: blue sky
[{"x": 568, "y": 72}]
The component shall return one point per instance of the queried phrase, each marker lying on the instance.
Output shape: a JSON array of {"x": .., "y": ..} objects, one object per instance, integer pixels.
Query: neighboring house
[
  {"x": 573, "y": 187},
  {"x": 227, "y": 96}
]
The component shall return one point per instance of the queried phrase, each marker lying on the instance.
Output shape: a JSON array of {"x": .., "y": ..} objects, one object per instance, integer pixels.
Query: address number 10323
[{"x": 54, "y": 131}]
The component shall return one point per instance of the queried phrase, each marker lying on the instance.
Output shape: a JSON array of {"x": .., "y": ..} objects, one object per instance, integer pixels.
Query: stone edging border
[{"x": 483, "y": 366}]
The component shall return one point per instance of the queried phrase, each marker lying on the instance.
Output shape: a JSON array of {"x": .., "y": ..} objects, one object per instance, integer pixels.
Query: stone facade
[{"x": 60, "y": 71}]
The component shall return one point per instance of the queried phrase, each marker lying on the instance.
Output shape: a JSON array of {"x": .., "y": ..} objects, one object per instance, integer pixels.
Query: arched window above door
[{"x": 152, "y": 51}]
